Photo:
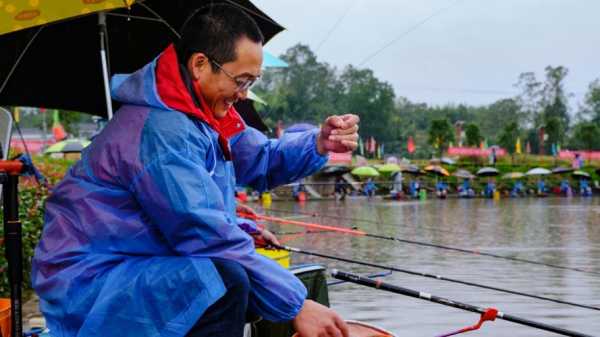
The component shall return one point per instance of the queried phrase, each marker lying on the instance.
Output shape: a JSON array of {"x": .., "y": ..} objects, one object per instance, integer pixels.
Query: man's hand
[
  {"x": 318, "y": 320},
  {"x": 338, "y": 134},
  {"x": 265, "y": 238}
]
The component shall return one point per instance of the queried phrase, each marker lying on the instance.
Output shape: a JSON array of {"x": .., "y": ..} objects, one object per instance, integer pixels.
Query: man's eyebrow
[{"x": 249, "y": 74}]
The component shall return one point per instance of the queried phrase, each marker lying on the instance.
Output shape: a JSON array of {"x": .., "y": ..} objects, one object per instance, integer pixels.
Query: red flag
[{"x": 411, "y": 145}]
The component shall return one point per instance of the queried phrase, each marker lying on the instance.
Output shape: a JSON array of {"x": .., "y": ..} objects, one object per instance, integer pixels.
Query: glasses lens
[{"x": 246, "y": 84}]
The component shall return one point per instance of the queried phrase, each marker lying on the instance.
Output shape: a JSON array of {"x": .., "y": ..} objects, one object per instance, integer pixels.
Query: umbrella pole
[
  {"x": 102, "y": 29},
  {"x": 9, "y": 177}
]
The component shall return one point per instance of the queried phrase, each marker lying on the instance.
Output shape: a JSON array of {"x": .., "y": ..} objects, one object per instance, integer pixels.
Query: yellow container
[
  {"x": 280, "y": 256},
  {"x": 266, "y": 199},
  {"x": 496, "y": 195},
  {"x": 5, "y": 323}
]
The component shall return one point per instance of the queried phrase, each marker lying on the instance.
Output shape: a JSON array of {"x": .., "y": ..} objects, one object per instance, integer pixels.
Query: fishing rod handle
[{"x": 440, "y": 300}]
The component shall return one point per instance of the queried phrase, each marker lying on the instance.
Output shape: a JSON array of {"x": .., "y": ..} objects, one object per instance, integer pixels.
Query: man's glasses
[{"x": 243, "y": 84}]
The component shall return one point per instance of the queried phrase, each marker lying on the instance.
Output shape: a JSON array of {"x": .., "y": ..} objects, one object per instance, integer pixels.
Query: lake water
[{"x": 556, "y": 231}]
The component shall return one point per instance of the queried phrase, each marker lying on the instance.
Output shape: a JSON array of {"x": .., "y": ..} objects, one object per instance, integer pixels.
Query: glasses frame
[{"x": 242, "y": 85}]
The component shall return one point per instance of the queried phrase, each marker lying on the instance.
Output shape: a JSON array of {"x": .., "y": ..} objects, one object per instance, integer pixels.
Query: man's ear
[{"x": 196, "y": 65}]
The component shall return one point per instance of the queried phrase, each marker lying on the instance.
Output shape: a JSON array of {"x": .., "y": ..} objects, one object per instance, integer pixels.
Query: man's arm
[{"x": 266, "y": 163}]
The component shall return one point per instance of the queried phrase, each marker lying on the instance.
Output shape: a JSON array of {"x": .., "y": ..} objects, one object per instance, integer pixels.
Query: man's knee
[{"x": 234, "y": 277}]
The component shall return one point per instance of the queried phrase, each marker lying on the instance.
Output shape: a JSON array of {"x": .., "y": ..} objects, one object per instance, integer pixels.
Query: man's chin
[{"x": 220, "y": 113}]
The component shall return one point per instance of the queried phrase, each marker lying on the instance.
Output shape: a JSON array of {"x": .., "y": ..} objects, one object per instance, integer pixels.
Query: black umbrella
[
  {"x": 562, "y": 169},
  {"x": 61, "y": 68},
  {"x": 411, "y": 169},
  {"x": 335, "y": 170},
  {"x": 581, "y": 175},
  {"x": 487, "y": 172}
]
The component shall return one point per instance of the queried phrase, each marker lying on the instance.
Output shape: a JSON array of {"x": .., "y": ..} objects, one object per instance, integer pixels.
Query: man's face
[{"x": 221, "y": 89}]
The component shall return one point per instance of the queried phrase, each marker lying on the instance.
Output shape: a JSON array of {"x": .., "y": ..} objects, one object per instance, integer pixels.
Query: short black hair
[{"x": 214, "y": 30}]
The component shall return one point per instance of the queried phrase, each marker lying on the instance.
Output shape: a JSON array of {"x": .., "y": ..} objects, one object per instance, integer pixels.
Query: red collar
[{"x": 174, "y": 93}]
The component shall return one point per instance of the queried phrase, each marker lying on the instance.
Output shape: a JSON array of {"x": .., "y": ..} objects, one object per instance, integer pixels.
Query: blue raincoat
[{"x": 129, "y": 231}]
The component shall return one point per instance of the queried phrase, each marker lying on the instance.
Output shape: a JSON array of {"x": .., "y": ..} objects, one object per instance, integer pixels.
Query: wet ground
[{"x": 556, "y": 231}]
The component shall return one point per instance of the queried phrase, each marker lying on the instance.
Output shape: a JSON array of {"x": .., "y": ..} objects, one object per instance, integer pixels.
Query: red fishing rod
[
  {"x": 487, "y": 314},
  {"x": 433, "y": 276},
  {"x": 412, "y": 242}
]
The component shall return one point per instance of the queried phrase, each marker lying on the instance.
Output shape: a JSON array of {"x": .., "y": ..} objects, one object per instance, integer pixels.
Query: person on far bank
[{"x": 141, "y": 237}]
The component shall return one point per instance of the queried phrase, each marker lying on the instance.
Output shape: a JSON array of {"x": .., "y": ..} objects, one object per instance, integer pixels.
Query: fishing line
[
  {"x": 408, "y": 31},
  {"x": 427, "y": 244},
  {"x": 437, "y": 277}
]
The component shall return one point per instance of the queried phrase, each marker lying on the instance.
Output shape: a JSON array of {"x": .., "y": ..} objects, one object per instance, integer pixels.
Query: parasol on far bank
[
  {"x": 538, "y": 171},
  {"x": 68, "y": 146},
  {"x": 562, "y": 169},
  {"x": 581, "y": 175},
  {"x": 464, "y": 174},
  {"x": 437, "y": 170},
  {"x": 513, "y": 175},
  {"x": 365, "y": 171},
  {"x": 487, "y": 172}
]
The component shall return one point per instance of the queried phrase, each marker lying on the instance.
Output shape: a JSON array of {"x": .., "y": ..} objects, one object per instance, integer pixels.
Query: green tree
[
  {"x": 555, "y": 130},
  {"x": 586, "y": 136},
  {"x": 371, "y": 99},
  {"x": 473, "y": 136},
  {"x": 592, "y": 102},
  {"x": 440, "y": 134},
  {"x": 508, "y": 137},
  {"x": 307, "y": 90}
]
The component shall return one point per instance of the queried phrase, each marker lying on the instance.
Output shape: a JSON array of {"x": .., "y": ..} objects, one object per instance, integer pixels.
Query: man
[{"x": 141, "y": 237}]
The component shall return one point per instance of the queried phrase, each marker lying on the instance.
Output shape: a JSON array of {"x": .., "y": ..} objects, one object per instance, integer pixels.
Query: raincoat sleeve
[
  {"x": 264, "y": 163},
  {"x": 187, "y": 208}
]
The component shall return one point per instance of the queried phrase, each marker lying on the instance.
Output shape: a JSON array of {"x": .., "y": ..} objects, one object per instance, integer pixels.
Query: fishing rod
[
  {"x": 375, "y": 222},
  {"x": 487, "y": 314},
  {"x": 433, "y": 276},
  {"x": 420, "y": 243}
]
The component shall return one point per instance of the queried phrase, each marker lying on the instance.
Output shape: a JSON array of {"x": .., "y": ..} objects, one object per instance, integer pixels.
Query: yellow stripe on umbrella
[{"x": 21, "y": 14}]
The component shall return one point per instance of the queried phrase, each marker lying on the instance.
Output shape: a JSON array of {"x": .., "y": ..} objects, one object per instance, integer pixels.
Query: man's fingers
[
  {"x": 333, "y": 331},
  {"x": 345, "y": 131},
  {"x": 351, "y": 145},
  {"x": 341, "y": 324},
  {"x": 340, "y": 138},
  {"x": 351, "y": 119},
  {"x": 335, "y": 121}
]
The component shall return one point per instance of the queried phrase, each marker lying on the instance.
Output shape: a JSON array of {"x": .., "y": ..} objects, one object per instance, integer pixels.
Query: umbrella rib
[
  {"x": 12, "y": 70},
  {"x": 173, "y": 30},
  {"x": 252, "y": 12}
]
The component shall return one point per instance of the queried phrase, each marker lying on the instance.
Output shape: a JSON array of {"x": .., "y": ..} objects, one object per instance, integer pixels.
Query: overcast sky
[{"x": 440, "y": 51}]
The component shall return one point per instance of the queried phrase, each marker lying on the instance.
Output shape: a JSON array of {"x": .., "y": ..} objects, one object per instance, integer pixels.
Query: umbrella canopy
[
  {"x": 412, "y": 169},
  {"x": 513, "y": 175},
  {"x": 462, "y": 173},
  {"x": 443, "y": 160},
  {"x": 365, "y": 171},
  {"x": 270, "y": 61},
  {"x": 538, "y": 171},
  {"x": 70, "y": 75},
  {"x": 437, "y": 170},
  {"x": 581, "y": 174},
  {"x": 487, "y": 172},
  {"x": 335, "y": 170},
  {"x": 562, "y": 169},
  {"x": 388, "y": 168},
  {"x": 68, "y": 146}
]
